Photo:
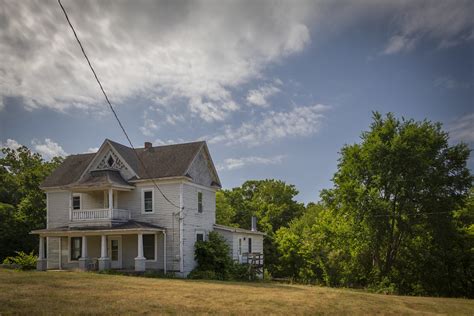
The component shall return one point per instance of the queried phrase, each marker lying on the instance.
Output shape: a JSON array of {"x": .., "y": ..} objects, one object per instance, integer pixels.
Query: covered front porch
[{"x": 130, "y": 246}]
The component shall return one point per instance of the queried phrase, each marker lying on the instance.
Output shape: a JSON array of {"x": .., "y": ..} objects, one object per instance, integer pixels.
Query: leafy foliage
[
  {"x": 22, "y": 203},
  {"x": 24, "y": 260},
  {"x": 396, "y": 220}
]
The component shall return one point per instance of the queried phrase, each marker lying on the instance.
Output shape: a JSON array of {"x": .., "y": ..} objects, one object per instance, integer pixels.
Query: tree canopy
[{"x": 22, "y": 203}]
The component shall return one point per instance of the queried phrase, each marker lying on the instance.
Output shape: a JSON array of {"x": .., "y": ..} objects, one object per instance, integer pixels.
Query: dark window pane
[
  {"x": 250, "y": 245},
  {"x": 76, "y": 248},
  {"x": 148, "y": 201},
  {"x": 114, "y": 249},
  {"x": 149, "y": 247},
  {"x": 199, "y": 237},
  {"x": 200, "y": 202},
  {"x": 76, "y": 202},
  {"x": 110, "y": 162}
]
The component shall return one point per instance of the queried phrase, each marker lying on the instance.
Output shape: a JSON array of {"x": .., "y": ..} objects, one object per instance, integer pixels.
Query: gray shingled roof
[
  {"x": 160, "y": 161},
  {"x": 96, "y": 178}
]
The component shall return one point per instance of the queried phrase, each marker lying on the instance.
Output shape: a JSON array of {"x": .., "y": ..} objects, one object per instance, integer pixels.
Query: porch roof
[
  {"x": 101, "y": 179},
  {"x": 237, "y": 230},
  {"x": 128, "y": 227}
]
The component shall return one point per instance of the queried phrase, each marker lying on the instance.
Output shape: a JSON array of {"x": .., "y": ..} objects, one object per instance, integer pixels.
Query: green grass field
[{"x": 89, "y": 293}]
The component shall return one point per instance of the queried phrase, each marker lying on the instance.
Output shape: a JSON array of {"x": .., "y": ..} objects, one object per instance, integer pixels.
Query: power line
[{"x": 112, "y": 108}]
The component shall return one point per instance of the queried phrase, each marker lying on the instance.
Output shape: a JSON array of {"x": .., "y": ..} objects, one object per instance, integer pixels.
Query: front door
[{"x": 115, "y": 252}]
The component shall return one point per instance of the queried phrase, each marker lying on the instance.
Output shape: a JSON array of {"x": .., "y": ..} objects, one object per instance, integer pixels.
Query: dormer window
[{"x": 110, "y": 161}]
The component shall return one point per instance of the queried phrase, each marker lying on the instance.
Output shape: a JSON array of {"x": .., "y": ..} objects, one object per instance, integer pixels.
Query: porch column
[
  {"x": 104, "y": 260},
  {"x": 164, "y": 252},
  {"x": 111, "y": 201},
  {"x": 84, "y": 259},
  {"x": 140, "y": 259},
  {"x": 41, "y": 263}
]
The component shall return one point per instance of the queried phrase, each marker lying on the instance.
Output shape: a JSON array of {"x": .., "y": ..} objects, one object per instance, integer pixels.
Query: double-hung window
[
  {"x": 76, "y": 202},
  {"x": 149, "y": 247},
  {"x": 147, "y": 202},
  {"x": 76, "y": 248},
  {"x": 200, "y": 236},
  {"x": 199, "y": 202}
]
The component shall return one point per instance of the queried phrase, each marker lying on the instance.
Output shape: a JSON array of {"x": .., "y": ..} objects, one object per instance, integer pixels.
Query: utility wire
[{"x": 112, "y": 108}]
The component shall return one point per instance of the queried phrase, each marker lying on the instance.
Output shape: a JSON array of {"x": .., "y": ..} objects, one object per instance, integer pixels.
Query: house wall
[
  {"x": 58, "y": 209},
  {"x": 195, "y": 222},
  {"x": 165, "y": 215},
  {"x": 232, "y": 239}
]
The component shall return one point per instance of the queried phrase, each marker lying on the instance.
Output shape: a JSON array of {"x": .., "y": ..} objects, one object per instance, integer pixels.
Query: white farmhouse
[{"x": 139, "y": 210}]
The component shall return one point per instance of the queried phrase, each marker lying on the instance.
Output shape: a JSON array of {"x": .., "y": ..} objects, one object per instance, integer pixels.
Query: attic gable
[
  {"x": 106, "y": 158},
  {"x": 202, "y": 169}
]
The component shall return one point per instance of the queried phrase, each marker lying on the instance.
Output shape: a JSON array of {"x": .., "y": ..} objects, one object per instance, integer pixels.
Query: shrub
[
  {"x": 242, "y": 272},
  {"x": 212, "y": 255},
  {"x": 23, "y": 260}
]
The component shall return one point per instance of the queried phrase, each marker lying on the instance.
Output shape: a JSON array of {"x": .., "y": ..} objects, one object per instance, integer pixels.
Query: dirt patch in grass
[{"x": 89, "y": 293}]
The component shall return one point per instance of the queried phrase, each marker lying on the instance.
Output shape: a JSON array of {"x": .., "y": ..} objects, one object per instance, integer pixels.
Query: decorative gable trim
[{"x": 118, "y": 161}]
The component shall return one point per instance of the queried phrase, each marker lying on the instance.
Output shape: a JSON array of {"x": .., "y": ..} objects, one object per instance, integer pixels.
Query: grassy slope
[{"x": 76, "y": 292}]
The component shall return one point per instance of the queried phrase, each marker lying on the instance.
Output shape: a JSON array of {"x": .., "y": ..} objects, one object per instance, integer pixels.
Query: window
[
  {"x": 148, "y": 201},
  {"x": 250, "y": 245},
  {"x": 76, "y": 248},
  {"x": 199, "y": 202},
  {"x": 149, "y": 247},
  {"x": 110, "y": 161},
  {"x": 240, "y": 246},
  {"x": 76, "y": 202},
  {"x": 114, "y": 249},
  {"x": 199, "y": 236}
]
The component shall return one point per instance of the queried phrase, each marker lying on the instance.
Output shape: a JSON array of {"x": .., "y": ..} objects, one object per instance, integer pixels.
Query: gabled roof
[
  {"x": 160, "y": 161},
  {"x": 102, "y": 178}
]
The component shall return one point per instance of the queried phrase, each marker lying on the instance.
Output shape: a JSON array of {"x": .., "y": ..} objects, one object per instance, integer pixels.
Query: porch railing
[{"x": 100, "y": 214}]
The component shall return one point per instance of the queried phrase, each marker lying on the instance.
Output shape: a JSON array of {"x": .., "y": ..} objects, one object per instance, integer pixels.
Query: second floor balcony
[{"x": 101, "y": 214}]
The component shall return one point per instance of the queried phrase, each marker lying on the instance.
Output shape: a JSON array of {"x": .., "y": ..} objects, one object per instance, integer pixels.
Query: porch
[{"x": 132, "y": 246}]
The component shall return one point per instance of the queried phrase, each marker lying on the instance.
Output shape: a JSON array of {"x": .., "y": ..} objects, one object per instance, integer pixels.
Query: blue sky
[{"x": 275, "y": 88}]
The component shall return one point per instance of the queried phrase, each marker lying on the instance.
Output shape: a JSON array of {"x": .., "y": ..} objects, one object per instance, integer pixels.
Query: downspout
[{"x": 181, "y": 228}]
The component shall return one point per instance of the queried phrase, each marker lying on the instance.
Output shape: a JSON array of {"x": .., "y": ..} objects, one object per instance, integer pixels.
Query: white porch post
[
  {"x": 104, "y": 260},
  {"x": 111, "y": 202},
  {"x": 164, "y": 252},
  {"x": 70, "y": 205},
  {"x": 84, "y": 260},
  {"x": 140, "y": 259},
  {"x": 41, "y": 263}
]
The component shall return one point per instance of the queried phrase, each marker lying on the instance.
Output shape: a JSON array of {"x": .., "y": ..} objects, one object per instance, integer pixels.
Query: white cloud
[
  {"x": 259, "y": 96},
  {"x": 300, "y": 121},
  {"x": 10, "y": 143},
  {"x": 48, "y": 149},
  {"x": 91, "y": 150},
  {"x": 451, "y": 83},
  {"x": 173, "y": 119},
  {"x": 445, "y": 22},
  {"x": 398, "y": 44},
  {"x": 237, "y": 163},
  {"x": 149, "y": 126},
  {"x": 163, "y": 51},
  {"x": 462, "y": 129}
]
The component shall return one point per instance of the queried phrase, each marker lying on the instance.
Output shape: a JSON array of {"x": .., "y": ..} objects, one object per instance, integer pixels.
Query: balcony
[{"x": 98, "y": 217}]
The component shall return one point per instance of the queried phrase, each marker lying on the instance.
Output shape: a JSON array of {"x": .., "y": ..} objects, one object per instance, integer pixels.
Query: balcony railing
[{"x": 100, "y": 214}]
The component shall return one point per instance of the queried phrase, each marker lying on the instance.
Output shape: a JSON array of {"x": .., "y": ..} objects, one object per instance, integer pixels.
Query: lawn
[{"x": 56, "y": 292}]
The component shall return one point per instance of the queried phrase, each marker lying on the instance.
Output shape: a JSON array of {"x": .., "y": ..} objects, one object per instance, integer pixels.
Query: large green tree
[
  {"x": 399, "y": 216},
  {"x": 22, "y": 203}
]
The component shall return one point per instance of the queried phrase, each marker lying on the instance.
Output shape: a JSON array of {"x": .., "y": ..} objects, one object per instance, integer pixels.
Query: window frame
[
  {"x": 76, "y": 195},
  {"x": 249, "y": 246},
  {"x": 200, "y": 202},
  {"x": 155, "y": 248},
  {"x": 200, "y": 232},
  {"x": 152, "y": 200},
  {"x": 70, "y": 241}
]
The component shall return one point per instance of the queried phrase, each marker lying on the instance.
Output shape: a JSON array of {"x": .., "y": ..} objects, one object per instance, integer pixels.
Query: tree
[
  {"x": 400, "y": 187},
  {"x": 22, "y": 203},
  {"x": 224, "y": 211}
]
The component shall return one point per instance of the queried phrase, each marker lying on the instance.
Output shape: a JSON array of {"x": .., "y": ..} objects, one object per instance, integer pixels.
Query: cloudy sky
[{"x": 275, "y": 87}]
